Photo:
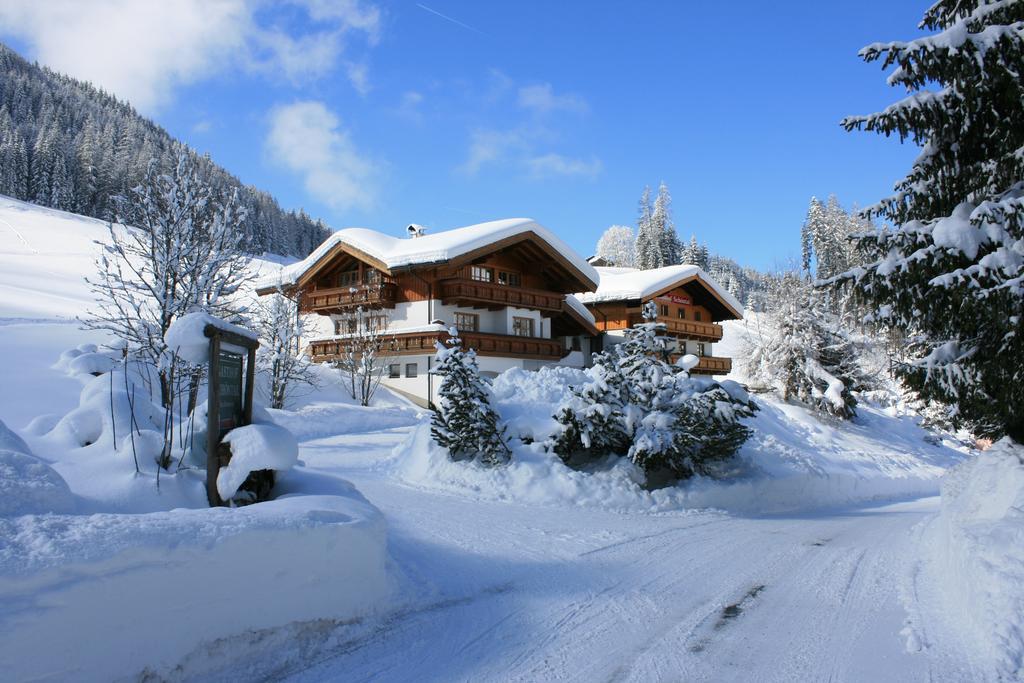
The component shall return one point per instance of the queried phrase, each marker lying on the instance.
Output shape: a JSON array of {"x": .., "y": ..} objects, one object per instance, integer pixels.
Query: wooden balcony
[
  {"x": 340, "y": 298},
  {"x": 685, "y": 329},
  {"x": 465, "y": 292},
  {"x": 419, "y": 343},
  {"x": 713, "y": 365}
]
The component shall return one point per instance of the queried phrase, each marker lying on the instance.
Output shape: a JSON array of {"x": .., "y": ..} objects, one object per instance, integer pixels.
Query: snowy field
[{"x": 828, "y": 557}]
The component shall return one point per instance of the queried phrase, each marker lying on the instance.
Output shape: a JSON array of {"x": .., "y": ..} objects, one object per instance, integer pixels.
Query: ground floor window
[
  {"x": 467, "y": 322},
  {"x": 522, "y": 327},
  {"x": 394, "y": 371},
  {"x": 700, "y": 349},
  {"x": 411, "y": 369}
]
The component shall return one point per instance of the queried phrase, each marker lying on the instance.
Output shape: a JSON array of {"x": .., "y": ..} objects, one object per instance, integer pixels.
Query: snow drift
[
  {"x": 981, "y": 552},
  {"x": 182, "y": 578}
]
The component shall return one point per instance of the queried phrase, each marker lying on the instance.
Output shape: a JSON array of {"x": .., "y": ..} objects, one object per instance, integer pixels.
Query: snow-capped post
[{"x": 226, "y": 407}]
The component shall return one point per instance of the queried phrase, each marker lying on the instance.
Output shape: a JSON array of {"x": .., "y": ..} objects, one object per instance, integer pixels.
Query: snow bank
[
  {"x": 981, "y": 553},
  {"x": 27, "y": 484},
  {"x": 186, "y": 336},
  {"x": 106, "y": 597},
  {"x": 533, "y": 477},
  {"x": 256, "y": 447}
]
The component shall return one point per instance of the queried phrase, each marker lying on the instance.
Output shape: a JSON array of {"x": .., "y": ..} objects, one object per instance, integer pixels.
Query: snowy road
[{"x": 502, "y": 591}]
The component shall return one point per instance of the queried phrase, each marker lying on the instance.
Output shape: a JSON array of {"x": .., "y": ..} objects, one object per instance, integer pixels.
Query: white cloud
[
  {"x": 548, "y": 165},
  {"x": 307, "y": 138},
  {"x": 359, "y": 76},
  {"x": 542, "y": 99},
  {"x": 488, "y": 146},
  {"x": 141, "y": 50}
]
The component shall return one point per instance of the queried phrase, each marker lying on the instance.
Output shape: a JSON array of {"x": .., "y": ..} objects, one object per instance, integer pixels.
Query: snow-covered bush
[
  {"x": 638, "y": 404},
  {"x": 464, "y": 421},
  {"x": 805, "y": 354},
  {"x": 982, "y": 545}
]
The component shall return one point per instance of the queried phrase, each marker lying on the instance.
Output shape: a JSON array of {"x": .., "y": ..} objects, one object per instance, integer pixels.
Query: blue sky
[{"x": 448, "y": 112}]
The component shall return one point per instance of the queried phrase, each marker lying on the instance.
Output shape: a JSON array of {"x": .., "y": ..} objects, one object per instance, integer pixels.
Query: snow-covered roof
[
  {"x": 619, "y": 284},
  {"x": 576, "y": 305},
  {"x": 396, "y": 252}
]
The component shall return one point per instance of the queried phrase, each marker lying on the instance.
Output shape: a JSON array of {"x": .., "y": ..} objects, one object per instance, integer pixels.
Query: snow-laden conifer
[
  {"x": 464, "y": 421},
  {"x": 804, "y": 353},
  {"x": 950, "y": 276},
  {"x": 641, "y": 406}
]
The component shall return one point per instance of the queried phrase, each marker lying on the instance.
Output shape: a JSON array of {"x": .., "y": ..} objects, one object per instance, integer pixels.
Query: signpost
[{"x": 229, "y": 403}]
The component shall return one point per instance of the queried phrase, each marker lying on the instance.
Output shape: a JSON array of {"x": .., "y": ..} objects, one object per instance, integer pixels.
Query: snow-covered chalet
[
  {"x": 508, "y": 288},
  {"x": 690, "y": 305}
]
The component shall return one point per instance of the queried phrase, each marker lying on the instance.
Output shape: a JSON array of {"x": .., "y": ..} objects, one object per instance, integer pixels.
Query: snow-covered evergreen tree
[
  {"x": 648, "y": 239},
  {"x": 592, "y": 418},
  {"x": 464, "y": 421},
  {"x": 617, "y": 246},
  {"x": 641, "y": 406},
  {"x": 804, "y": 353},
  {"x": 662, "y": 225},
  {"x": 951, "y": 275}
]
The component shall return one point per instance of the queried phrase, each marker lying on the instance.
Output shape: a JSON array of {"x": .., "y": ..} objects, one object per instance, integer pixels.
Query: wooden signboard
[
  {"x": 229, "y": 403},
  {"x": 675, "y": 299}
]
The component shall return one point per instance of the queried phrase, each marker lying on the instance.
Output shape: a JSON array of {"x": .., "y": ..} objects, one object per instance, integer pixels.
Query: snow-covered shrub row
[
  {"x": 982, "y": 552},
  {"x": 792, "y": 461},
  {"x": 206, "y": 574}
]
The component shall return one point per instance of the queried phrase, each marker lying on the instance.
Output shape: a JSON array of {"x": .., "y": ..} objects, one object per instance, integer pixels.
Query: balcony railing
[
  {"x": 339, "y": 298},
  {"x": 685, "y": 329},
  {"x": 418, "y": 343},
  {"x": 472, "y": 292},
  {"x": 713, "y": 365}
]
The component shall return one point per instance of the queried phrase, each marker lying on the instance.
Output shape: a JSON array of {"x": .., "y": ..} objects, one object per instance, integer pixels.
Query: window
[
  {"x": 681, "y": 313},
  {"x": 394, "y": 371},
  {"x": 576, "y": 346},
  {"x": 696, "y": 316},
  {"x": 376, "y": 323},
  {"x": 352, "y": 325},
  {"x": 700, "y": 349},
  {"x": 510, "y": 279},
  {"x": 467, "y": 322},
  {"x": 411, "y": 369},
  {"x": 481, "y": 274},
  {"x": 371, "y": 276},
  {"x": 663, "y": 310},
  {"x": 348, "y": 278},
  {"x": 522, "y": 327}
]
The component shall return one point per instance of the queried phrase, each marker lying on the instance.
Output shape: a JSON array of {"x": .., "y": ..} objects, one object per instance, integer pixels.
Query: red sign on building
[{"x": 673, "y": 299}]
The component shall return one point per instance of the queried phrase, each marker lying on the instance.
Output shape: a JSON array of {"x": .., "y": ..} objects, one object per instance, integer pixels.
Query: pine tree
[
  {"x": 664, "y": 227},
  {"x": 464, "y": 421},
  {"x": 592, "y": 417},
  {"x": 648, "y": 240},
  {"x": 950, "y": 275},
  {"x": 814, "y": 225}
]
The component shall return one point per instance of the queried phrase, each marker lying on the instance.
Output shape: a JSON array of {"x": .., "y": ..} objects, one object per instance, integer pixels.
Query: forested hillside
[{"x": 68, "y": 145}]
